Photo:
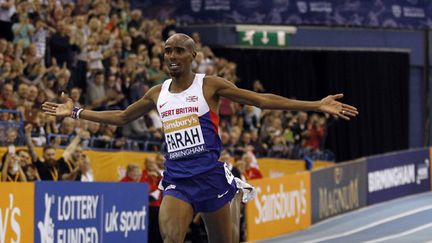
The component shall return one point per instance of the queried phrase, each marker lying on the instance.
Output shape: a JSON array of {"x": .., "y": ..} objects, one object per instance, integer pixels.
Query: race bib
[{"x": 184, "y": 137}]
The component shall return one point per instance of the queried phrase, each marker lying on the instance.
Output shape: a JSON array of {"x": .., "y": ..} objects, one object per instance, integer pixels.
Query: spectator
[
  {"x": 62, "y": 49},
  {"x": 86, "y": 169},
  {"x": 226, "y": 109},
  {"x": 151, "y": 175},
  {"x": 21, "y": 95},
  {"x": 225, "y": 157},
  {"x": 33, "y": 93},
  {"x": 75, "y": 95},
  {"x": 94, "y": 56},
  {"x": 70, "y": 163},
  {"x": 96, "y": 92},
  {"x": 115, "y": 97},
  {"x": 300, "y": 127},
  {"x": 251, "y": 172},
  {"x": 197, "y": 38},
  {"x": 31, "y": 173},
  {"x": 40, "y": 37},
  {"x": 10, "y": 138},
  {"x": 47, "y": 167},
  {"x": 12, "y": 171},
  {"x": 135, "y": 19},
  {"x": 23, "y": 30},
  {"x": 6, "y": 96},
  {"x": 160, "y": 160},
  {"x": 133, "y": 174},
  {"x": 315, "y": 133}
]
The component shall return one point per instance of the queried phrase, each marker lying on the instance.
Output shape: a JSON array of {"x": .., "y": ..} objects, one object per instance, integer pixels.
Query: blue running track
[{"x": 407, "y": 219}]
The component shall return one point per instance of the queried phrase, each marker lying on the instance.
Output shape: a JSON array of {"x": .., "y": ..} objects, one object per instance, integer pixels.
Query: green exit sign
[
  {"x": 260, "y": 35},
  {"x": 263, "y": 38}
]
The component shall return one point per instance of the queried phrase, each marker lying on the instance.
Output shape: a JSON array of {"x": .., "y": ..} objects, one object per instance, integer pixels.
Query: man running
[{"x": 194, "y": 181}]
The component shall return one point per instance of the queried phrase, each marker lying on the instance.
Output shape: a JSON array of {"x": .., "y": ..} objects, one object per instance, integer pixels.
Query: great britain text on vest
[{"x": 179, "y": 111}]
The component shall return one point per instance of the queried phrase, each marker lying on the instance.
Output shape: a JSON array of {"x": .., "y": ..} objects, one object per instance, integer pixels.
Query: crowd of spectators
[{"x": 104, "y": 55}]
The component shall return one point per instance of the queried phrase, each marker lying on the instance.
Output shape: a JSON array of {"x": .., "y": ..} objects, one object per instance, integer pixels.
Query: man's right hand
[{"x": 55, "y": 109}]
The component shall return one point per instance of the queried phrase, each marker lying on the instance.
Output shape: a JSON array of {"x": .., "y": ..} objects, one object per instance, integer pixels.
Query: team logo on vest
[
  {"x": 192, "y": 98},
  {"x": 184, "y": 137}
]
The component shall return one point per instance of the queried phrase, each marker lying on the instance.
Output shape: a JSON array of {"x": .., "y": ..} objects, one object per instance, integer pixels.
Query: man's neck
[{"x": 182, "y": 82}]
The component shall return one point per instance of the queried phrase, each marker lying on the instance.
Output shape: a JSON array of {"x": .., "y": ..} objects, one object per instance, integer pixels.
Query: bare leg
[
  {"x": 235, "y": 216},
  {"x": 175, "y": 216},
  {"x": 219, "y": 225}
]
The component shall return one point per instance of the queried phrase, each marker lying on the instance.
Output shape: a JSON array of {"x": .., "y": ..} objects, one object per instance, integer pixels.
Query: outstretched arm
[
  {"x": 329, "y": 104},
  {"x": 118, "y": 117}
]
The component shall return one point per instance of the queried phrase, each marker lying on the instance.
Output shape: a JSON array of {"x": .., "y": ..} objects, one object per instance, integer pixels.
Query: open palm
[
  {"x": 333, "y": 107},
  {"x": 55, "y": 109}
]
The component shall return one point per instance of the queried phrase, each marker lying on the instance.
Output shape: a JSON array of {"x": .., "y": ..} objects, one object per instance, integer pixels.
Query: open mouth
[{"x": 174, "y": 65}]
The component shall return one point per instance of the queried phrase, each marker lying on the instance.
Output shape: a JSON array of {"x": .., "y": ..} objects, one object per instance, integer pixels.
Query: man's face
[
  {"x": 49, "y": 156},
  {"x": 23, "y": 90},
  {"x": 24, "y": 158},
  {"x": 155, "y": 63},
  {"x": 99, "y": 79},
  {"x": 7, "y": 91},
  {"x": 33, "y": 93},
  {"x": 179, "y": 55}
]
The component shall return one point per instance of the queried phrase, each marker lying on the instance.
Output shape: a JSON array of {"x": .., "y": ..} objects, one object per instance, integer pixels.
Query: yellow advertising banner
[
  {"x": 107, "y": 166},
  {"x": 271, "y": 167},
  {"x": 282, "y": 205},
  {"x": 16, "y": 212},
  {"x": 111, "y": 166}
]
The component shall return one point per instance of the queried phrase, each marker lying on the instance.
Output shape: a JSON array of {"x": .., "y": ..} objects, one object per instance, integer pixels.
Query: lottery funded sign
[{"x": 91, "y": 212}]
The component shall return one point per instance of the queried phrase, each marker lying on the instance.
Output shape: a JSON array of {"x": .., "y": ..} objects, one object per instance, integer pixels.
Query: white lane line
[
  {"x": 411, "y": 231},
  {"x": 368, "y": 226}
]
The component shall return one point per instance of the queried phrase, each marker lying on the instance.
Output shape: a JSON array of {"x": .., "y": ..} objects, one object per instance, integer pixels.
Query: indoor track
[{"x": 407, "y": 219}]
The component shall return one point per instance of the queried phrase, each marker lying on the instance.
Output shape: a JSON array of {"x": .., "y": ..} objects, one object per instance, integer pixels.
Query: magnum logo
[
  {"x": 338, "y": 174},
  {"x": 338, "y": 200},
  {"x": 339, "y": 189}
]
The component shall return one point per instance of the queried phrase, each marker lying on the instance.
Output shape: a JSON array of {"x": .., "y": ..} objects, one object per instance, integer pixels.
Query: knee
[
  {"x": 172, "y": 236},
  {"x": 170, "y": 231}
]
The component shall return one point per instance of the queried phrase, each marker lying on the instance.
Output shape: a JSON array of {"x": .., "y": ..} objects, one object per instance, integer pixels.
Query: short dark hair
[
  {"x": 99, "y": 72},
  {"x": 48, "y": 147}
]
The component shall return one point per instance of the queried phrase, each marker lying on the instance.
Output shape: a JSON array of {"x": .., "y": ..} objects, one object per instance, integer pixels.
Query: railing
[
  {"x": 101, "y": 143},
  {"x": 7, "y": 126}
]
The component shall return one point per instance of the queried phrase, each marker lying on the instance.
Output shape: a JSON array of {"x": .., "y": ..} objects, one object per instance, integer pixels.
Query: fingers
[
  {"x": 49, "y": 104},
  {"x": 337, "y": 96},
  {"x": 350, "y": 113},
  {"x": 344, "y": 117},
  {"x": 349, "y": 108},
  {"x": 346, "y": 114}
]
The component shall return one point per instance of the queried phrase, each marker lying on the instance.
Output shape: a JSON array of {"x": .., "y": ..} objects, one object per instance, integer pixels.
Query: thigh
[
  {"x": 219, "y": 225},
  {"x": 175, "y": 216}
]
